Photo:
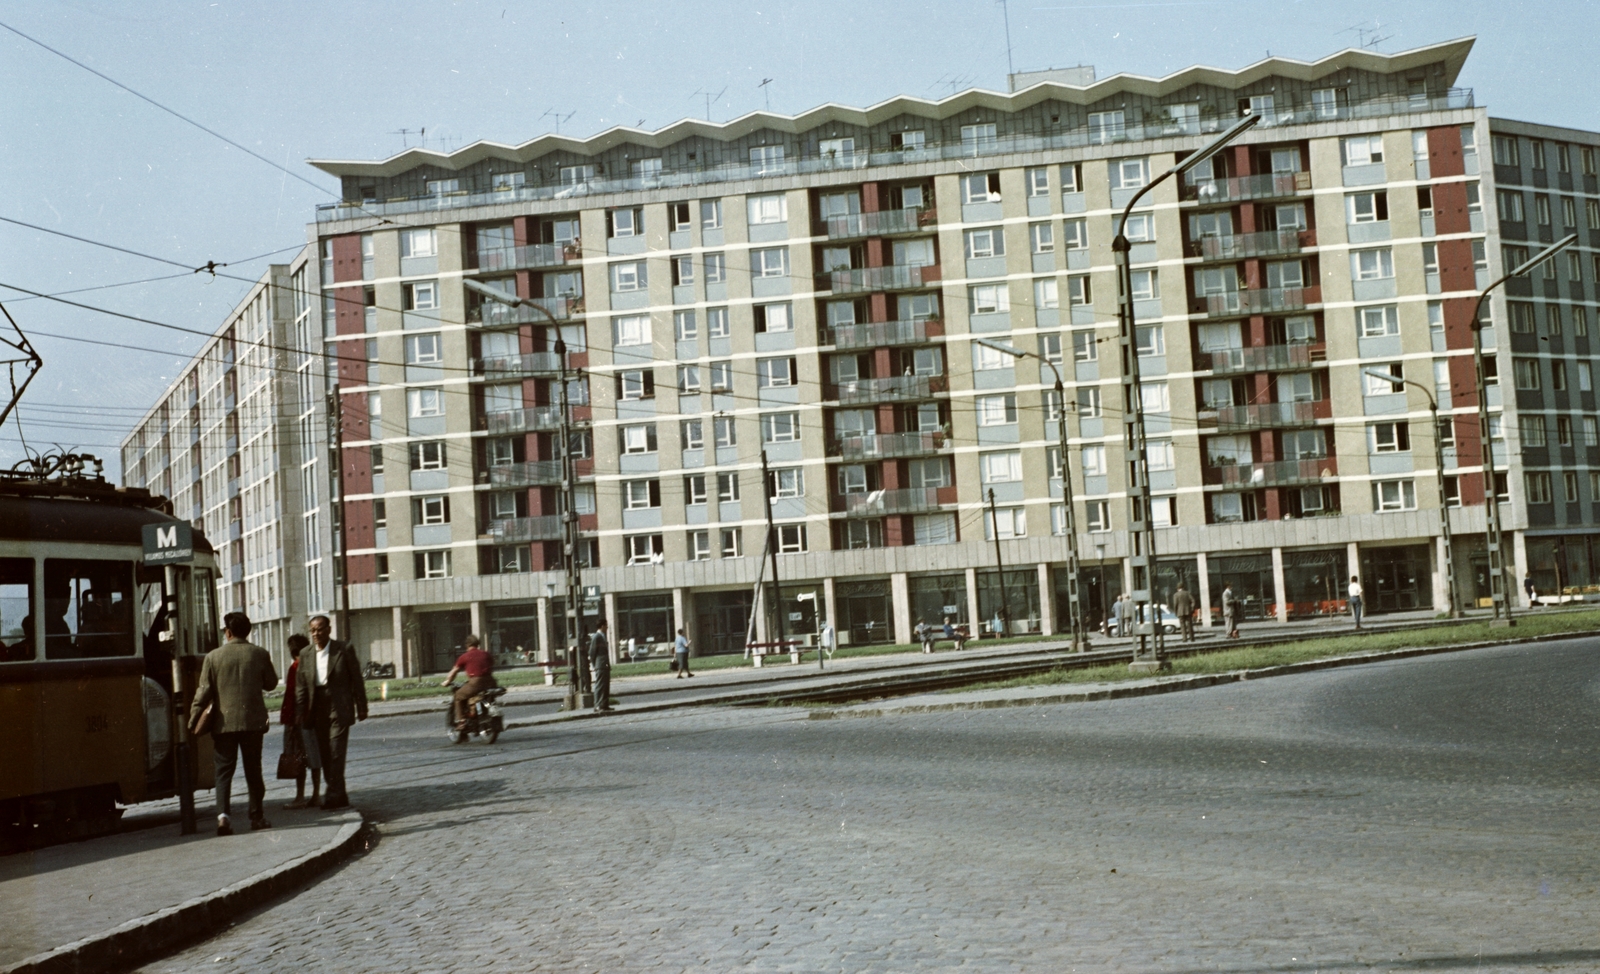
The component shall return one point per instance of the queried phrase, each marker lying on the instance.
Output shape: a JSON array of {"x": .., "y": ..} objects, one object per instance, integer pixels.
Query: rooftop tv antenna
[
  {"x": 766, "y": 91},
  {"x": 405, "y": 136},
  {"x": 710, "y": 98},
  {"x": 556, "y": 114},
  {"x": 18, "y": 354},
  {"x": 1005, "y": 11},
  {"x": 1362, "y": 31},
  {"x": 955, "y": 81}
]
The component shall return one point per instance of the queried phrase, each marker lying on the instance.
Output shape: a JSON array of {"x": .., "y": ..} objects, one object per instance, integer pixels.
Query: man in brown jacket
[
  {"x": 330, "y": 695},
  {"x": 233, "y": 677}
]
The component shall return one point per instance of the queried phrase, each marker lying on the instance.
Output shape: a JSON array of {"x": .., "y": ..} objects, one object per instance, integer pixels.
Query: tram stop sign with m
[{"x": 168, "y": 544}]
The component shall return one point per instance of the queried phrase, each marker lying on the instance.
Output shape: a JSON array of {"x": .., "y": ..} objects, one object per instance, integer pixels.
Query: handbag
[
  {"x": 674, "y": 663},
  {"x": 202, "y": 721},
  {"x": 292, "y": 765}
]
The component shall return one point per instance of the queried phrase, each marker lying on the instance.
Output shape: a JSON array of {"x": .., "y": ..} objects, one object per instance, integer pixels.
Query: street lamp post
[
  {"x": 1491, "y": 502},
  {"x": 1448, "y": 563},
  {"x": 1080, "y": 636},
  {"x": 1141, "y": 531}
]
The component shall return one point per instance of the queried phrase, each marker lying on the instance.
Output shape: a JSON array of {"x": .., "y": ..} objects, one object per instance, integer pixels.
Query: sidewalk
[{"x": 117, "y": 900}]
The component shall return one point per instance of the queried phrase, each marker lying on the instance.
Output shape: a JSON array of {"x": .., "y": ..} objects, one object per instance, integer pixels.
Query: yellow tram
[{"x": 88, "y": 638}]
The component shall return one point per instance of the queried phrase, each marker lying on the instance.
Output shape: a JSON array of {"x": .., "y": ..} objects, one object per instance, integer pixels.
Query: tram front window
[
  {"x": 16, "y": 610},
  {"x": 88, "y": 608}
]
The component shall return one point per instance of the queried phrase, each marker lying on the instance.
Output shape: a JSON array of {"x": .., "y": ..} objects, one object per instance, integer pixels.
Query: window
[
  {"x": 636, "y": 384},
  {"x": 988, "y": 298},
  {"x": 770, "y": 262},
  {"x": 1371, "y": 265},
  {"x": 780, "y": 427},
  {"x": 772, "y": 208},
  {"x": 717, "y": 323},
  {"x": 632, "y": 330},
  {"x": 1361, "y": 150},
  {"x": 629, "y": 276},
  {"x": 1146, "y": 285},
  {"x": 1522, "y": 316},
  {"x": 774, "y": 373},
  {"x": 1012, "y": 522},
  {"x": 985, "y": 358},
  {"x": 1106, "y": 127},
  {"x": 721, "y": 376},
  {"x": 911, "y": 139},
  {"x": 1534, "y": 431},
  {"x": 692, "y": 433},
  {"x": 1391, "y": 437},
  {"x": 1591, "y": 436},
  {"x": 788, "y": 482},
  {"x": 644, "y": 549},
  {"x": 791, "y": 538},
  {"x": 428, "y": 455},
  {"x": 766, "y": 159},
  {"x": 1141, "y": 227},
  {"x": 1089, "y": 403},
  {"x": 1538, "y": 153},
  {"x": 1366, "y": 207},
  {"x": 433, "y": 564},
  {"x": 421, "y": 403},
  {"x": 1046, "y": 293},
  {"x": 1154, "y": 397},
  {"x": 987, "y": 242},
  {"x": 980, "y": 188},
  {"x": 831, "y": 149},
  {"x": 724, "y": 431},
  {"x": 731, "y": 542},
  {"x": 441, "y": 187},
  {"x": 1558, "y": 375},
  {"x": 1376, "y": 386},
  {"x": 710, "y": 214},
  {"x": 699, "y": 545},
  {"x": 979, "y": 134},
  {"x": 576, "y": 175},
  {"x": 688, "y": 379},
  {"x": 424, "y": 350},
  {"x": 678, "y": 218},
  {"x": 1574, "y": 267},
  {"x": 1541, "y": 209},
  {"x": 1094, "y": 461},
  {"x": 641, "y": 494},
  {"x": 929, "y": 529},
  {"x": 684, "y": 326},
  {"x": 716, "y": 269},
  {"x": 1526, "y": 373},
  {"x": 682, "y": 270},
  {"x": 1325, "y": 102},
  {"x": 1377, "y": 322},
  {"x": 1038, "y": 181},
  {"x": 1538, "y": 487},
  {"x": 1079, "y": 291},
  {"x": 1563, "y": 430},
  {"x": 1569, "y": 482},
  {"x": 1099, "y": 516},
  {"x": 625, "y": 222},
  {"x": 1585, "y": 377},
  {"x": 420, "y": 296},
  {"x": 997, "y": 410},
  {"x": 418, "y": 243},
  {"x": 1129, "y": 173},
  {"x": 1394, "y": 495},
  {"x": 1085, "y": 348},
  {"x": 1075, "y": 235},
  {"x": 640, "y": 438},
  {"x": 1150, "y": 340},
  {"x": 1510, "y": 201},
  {"x": 430, "y": 510}
]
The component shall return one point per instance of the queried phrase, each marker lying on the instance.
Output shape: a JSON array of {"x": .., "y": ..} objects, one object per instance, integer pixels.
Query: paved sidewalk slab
[{"x": 117, "y": 899}]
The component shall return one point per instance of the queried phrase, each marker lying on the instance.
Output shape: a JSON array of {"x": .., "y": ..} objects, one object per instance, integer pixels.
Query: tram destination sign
[{"x": 168, "y": 544}]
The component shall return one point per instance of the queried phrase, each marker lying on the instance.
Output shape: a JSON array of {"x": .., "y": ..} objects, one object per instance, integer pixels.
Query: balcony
[
  {"x": 900, "y": 388},
  {"x": 888, "y": 446},
  {"x": 911, "y": 500},
  {"x": 533, "y": 473},
  {"x": 1236, "y": 189},
  {"x": 526, "y": 529},
  {"x": 1267, "y": 358},
  {"x": 883, "y": 223},
  {"x": 538, "y": 419},
  {"x": 876, "y": 334},
  {"x": 1267, "y": 300},
  {"x": 1238, "y": 246},
  {"x": 530, "y": 257},
  {"x": 1283, "y": 473},
  {"x": 1240, "y": 419},
  {"x": 535, "y": 311},
  {"x": 689, "y": 176},
  {"x": 892, "y": 277},
  {"x": 517, "y": 366}
]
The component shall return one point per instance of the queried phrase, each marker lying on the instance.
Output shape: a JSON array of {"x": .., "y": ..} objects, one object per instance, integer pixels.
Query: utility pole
[
  {"x": 772, "y": 551},
  {"x": 1000, "y": 569},
  {"x": 341, "y": 564}
]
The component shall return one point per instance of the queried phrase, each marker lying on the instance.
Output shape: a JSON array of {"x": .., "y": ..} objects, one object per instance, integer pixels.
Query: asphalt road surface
[{"x": 1434, "y": 814}]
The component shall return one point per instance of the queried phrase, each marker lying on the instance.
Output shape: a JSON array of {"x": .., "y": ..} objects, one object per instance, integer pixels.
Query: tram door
[{"x": 164, "y": 639}]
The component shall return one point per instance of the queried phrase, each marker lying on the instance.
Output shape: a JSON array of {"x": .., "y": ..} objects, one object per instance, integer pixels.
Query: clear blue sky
[{"x": 298, "y": 80}]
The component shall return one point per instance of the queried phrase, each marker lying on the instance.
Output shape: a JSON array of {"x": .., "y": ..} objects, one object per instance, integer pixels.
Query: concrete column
[
  {"x": 972, "y": 602},
  {"x": 900, "y": 599},
  {"x": 476, "y": 609},
  {"x": 1353, "y": 556},
  {"x": 402, "y": 658},
  {"x": 1205, "y": 588},
  {"x": 1279, "y": 591},
  {"x": 829, "y": 607},
  {"x": 543, "y": 606},
  {"x": 1441, "y": 587},
  {"x": 680, "y": 620},
  {"x": 1047, "y": 602},
  {"x": 609, "y": 607},
  {"x": 1519, "y": 561}
]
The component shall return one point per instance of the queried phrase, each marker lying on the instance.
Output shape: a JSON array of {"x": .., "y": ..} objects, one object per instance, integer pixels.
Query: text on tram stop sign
[{"x": 168, "y": 544}]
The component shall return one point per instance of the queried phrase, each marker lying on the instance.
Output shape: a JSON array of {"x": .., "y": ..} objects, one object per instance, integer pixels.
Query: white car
[{"x": 1169, "y": 622}]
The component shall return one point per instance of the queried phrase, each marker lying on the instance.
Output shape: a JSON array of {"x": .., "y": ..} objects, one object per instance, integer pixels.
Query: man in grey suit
[
  {"x": 232, "y": 678},
  {"x": 600, "y": 663},
  {"x": 329, "y": 698}
]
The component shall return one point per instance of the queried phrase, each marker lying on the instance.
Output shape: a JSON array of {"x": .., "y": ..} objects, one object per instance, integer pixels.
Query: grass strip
[{"x": 1303, "y": 650}]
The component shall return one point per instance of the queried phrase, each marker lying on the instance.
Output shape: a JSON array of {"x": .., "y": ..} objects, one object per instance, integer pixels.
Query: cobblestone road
[{"x": 1435, "y": 814}]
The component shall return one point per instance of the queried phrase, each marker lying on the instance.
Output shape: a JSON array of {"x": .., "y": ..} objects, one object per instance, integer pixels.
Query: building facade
[{"x": 237, "y": 443}]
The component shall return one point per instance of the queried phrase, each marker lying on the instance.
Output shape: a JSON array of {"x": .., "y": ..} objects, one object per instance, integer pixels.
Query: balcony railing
[
  {"x": 865, "y": 159},
  {"x": 888, "y": 446},
  {"x": 537, "y": 311},
  {"x": 1259, "y": 301},
  {"x": 1266, "y": 414},
  {"x": 533, "y": 473},
  {"x": 881, "y": 223},
  {"x": 874, "y": 334},
  {"x": 528, "y": 257},
  {"x": 893, "y": 389},
  {"x": 1238, "y": 246},
  {"x": 910, "y": 500},
  {"x": 537, "y": 419},
  {"x": 891, "y": 277},
  {"x": 1237, "y": 188},
  {"x": 523, "y": 529},
  {"x": 517, "y": 366},
  {"x": 1282, "y": 473},
  {"x": 1267, "y": 358}
]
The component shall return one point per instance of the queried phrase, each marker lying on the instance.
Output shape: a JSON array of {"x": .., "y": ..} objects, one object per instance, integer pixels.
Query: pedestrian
[
  {"x": 828, "y": 639},
  {"x": 600, "y": 668},
  {"x": 926, "y": 634},
  {"x": 997, "y": 625},
  {"x": 294, "y": 738},
  {"x": 232, "y": 680},
  {"x": 1533, "y": 594},
  {"x": 330, "y": 697},
  {"x": 1355, "y": 599},
  {"x": 1183, "y": 607},
  {"x": 1124, "y": 611},
  {"x": 1230, "y": 611},
  {"x": 680, "y": 654},
  {"x": 479, "y": 667}
]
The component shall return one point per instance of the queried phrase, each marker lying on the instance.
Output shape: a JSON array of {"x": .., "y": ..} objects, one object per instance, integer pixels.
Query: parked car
[{"x": 1169, "y": 622}]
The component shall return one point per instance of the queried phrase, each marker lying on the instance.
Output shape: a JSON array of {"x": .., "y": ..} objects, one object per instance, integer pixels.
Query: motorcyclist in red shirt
[{"x": 479, "y": 667}]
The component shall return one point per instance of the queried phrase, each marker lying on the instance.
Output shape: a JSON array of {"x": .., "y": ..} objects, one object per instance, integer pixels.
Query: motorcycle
[
  {"x": 483, "y": 717},
  {"x": 379, "y": 671}
]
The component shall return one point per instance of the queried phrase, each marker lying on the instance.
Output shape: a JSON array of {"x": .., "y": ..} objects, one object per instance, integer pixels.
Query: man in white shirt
[{"x": 1355, "y": 599}]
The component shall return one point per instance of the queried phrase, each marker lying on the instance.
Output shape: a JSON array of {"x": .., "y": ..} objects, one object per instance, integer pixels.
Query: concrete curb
[
  {"x": 147, "y": 937},
  {"x": 1160, "y": 685}
]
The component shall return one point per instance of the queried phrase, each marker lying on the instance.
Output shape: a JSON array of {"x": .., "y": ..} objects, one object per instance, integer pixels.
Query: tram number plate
[{"x": 95, "y": 723}]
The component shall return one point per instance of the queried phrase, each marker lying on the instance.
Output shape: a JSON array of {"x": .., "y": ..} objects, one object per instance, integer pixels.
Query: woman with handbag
[{"x": 295, "y": 761}]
